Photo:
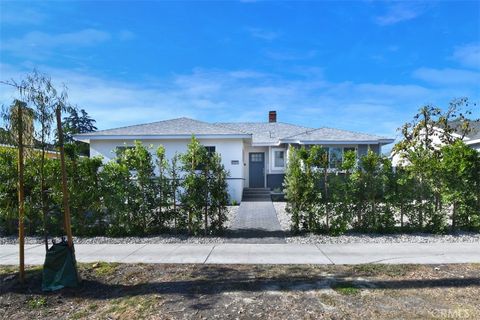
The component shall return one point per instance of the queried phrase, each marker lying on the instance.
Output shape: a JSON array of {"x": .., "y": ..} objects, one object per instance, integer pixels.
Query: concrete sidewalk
[{"x": 230, "y": 253}]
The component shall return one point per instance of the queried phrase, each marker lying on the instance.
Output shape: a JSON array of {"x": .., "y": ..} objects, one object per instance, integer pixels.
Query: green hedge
[
  {"x": 122, "y": 197},
  {"x": 432, "y": 194}
]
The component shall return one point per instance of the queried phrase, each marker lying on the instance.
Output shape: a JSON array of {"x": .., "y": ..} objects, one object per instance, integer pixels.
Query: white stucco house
[
  {"x": 472, "y": 139},
  {"x": 254, "y": 153}
]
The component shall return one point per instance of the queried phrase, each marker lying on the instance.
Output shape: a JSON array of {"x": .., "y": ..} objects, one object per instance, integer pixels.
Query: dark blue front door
[{"x": 256, "y": 169}]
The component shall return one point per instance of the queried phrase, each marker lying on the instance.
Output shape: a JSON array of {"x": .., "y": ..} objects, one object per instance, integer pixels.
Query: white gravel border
[
  {"x": 284, "y": 219},
  {"x": 165, "y": 238},
  {"x": 310, "y": 238}
]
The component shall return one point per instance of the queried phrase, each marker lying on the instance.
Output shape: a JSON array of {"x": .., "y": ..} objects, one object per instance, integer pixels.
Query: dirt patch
[{"x": 148, "y": 291}]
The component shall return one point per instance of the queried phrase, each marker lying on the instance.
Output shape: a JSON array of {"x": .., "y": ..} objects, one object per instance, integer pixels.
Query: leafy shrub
[{"x": 367, "y": 194}]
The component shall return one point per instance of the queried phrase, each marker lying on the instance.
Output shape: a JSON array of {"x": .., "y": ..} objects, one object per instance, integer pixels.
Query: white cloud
[
  {"x": 21, "y": 16},
  {"x": 263, "y": 34},
  {"x": 36, "y": 43},
  {"x": 448, "y": 76},
  {"x": 400, "y": 12},
  {"x": 244, "y": 95},
  {"x": 125, "y": 35},
  {"x": 468, "y": 55},
  {"x": 290, "y": 55}
]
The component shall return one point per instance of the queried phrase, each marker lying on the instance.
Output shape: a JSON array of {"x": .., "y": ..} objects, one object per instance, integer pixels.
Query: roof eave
[
  {"x": 266, "y": 144},
  {"x": 474, "y": 141},
  {"x": 89, "y": 137},
  {"x": 379, "y": 141}
]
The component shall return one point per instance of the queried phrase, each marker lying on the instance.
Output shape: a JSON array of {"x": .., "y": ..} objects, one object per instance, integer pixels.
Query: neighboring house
[
  {"x": 254, "y": 153},
  {"x": 472, "y": 139},
  {"x": 50, "y": 154}
]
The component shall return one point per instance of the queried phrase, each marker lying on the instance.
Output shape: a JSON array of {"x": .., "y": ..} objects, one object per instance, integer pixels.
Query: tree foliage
[
  {"x": 78, "y": 121},
  {"x": 437, "y": 188},
  {"x": 136, "y": 194}
]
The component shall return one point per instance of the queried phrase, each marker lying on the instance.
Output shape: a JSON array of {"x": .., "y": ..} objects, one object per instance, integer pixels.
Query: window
[
  {"x": 256, "y": 157},
  {"x": 335, "y": 155},
  {"x": 210, "y": 150},
  {"x": 279, "y": 159},
  {"x": 349, "y": 149},
  {"x": 210, "y": 153}
]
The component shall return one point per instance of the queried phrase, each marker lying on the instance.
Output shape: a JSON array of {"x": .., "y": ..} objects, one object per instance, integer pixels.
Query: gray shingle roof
[
  {"x": 266, "y": 132},
  {"x": 474, "y": 126},
  {"x": 330, "y": 134},
  {"x": 179, "y": 126},
  {"x": 475, "y": 134},
  {"x": 475, "y": 130}
]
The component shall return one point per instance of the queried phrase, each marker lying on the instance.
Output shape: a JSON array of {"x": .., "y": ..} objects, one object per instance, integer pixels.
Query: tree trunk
[
  {"x": 401, "y": 214},
  {"x": 42, "y": 196},
  {"x": 454, "y": 216},
  {"x": 420, "y": 214},
  {"x": 66, "y": 207},
  {"x": 438, "y": 204},
  {"x": 189, "y": 221},
  {"x": 174, "y": 204},
  {"x": 359, "y": 213},
  {"x": 160, "y": 207},
  {"x": 21, "y": 196},
  {"x": 327, "y": 216},
  {"x": 206, "y": 201},
  {"x": 374, "y": 213}
]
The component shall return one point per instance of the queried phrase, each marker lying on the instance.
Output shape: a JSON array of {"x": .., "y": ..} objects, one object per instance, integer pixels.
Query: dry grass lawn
[{"x": 149, "y": 291}]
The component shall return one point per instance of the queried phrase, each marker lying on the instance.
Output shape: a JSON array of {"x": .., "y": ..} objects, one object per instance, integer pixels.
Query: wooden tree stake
[
  {"x": 66, "y": 207},
  {"x": 21, "y": 196}
]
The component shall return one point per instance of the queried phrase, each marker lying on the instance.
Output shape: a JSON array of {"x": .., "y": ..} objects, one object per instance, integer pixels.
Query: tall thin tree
[{"x": 19, "y": 120}]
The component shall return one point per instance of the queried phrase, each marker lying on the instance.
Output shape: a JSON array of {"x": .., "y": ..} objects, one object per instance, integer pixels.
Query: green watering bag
[{"x": 59, "y": 269}]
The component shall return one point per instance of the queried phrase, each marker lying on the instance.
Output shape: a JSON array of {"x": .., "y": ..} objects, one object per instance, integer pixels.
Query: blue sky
[{"x": 363, "y": 65}]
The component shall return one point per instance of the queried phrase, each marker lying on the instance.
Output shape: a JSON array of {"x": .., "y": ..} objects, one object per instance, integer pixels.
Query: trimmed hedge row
[
  {"x": 432, "y": 194},
  {"x": 122, "y": 197}
]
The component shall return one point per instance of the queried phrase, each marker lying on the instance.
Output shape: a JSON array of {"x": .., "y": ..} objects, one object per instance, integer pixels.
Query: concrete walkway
[
  {"x": 256, "y": 222},
  {"x": 422, "y": 253}
]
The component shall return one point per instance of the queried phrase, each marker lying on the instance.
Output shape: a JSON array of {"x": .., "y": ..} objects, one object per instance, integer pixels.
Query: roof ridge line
[
  {"x": 143, "y": 124},
  {"x": 378, "y": 137},
  {"x": 263, "y": 122},
  {"x": 358, "y": 132}
]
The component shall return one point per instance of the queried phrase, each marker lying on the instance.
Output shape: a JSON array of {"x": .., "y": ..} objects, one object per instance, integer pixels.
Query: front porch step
[
  {"x": 265, "y": 193},
  {"x": 256, "y": 199},
  {"x": 256, "y": 194}
]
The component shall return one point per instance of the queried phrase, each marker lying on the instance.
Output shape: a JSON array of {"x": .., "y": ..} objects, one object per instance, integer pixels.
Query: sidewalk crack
[
  {"x": 134, "y": 251},
  {"x": 407, "y": 257},
  {"x": 205, "y": 261},
  {"x": 316, "y": 245}
]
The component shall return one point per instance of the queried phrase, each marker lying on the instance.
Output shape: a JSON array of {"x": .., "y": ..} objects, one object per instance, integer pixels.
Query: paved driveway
[{"x": 256, "y": 222}]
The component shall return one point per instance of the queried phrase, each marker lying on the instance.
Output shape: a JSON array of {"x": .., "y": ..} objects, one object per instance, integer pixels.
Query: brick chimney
[{"x": 272, "y": 116}]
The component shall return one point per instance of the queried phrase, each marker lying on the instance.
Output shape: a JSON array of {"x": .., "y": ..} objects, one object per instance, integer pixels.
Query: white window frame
[
  {"x": 272, "y": 162},
  {"x": 330, "y": 156}
]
